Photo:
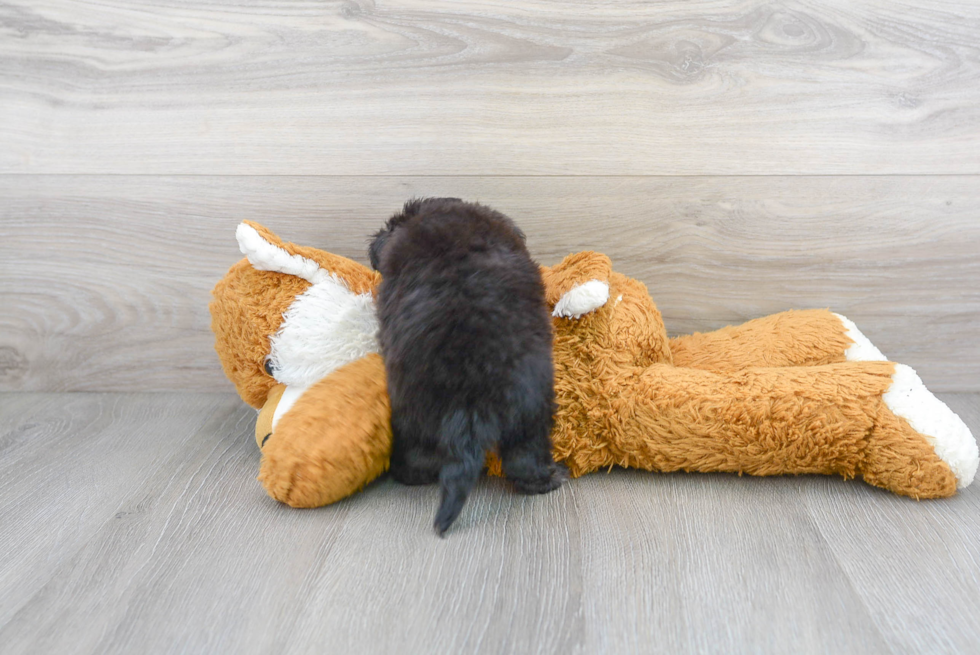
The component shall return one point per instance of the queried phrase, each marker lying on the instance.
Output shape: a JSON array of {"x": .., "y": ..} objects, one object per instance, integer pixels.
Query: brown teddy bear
[{"x": 796, "y": 392}]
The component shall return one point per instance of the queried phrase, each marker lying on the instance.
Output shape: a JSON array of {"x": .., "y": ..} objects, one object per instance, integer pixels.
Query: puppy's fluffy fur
[{"x": 467, "y": 342}]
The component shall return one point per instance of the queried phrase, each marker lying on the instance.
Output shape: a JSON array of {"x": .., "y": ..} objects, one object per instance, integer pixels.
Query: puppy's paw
[
  {"x": 414, "y": 476},
  {"x": 550, "y": 479}
]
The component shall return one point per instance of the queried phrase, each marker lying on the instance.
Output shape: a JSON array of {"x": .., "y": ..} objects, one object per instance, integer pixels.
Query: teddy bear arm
[
  {"x": 832, "y": 419},
  {"x": 793, "y": 338}
]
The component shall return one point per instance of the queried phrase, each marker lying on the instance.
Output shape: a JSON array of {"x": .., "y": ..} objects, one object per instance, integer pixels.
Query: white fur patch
[
  {"x": 582, "y": 299},
  {"x": 289, "y": 397},
  {"x": 326, "y": 327},
  {"x": 862, "y": 350},
  {"x": 265, "y": 256},
  {"x": 909, "y": 398}
]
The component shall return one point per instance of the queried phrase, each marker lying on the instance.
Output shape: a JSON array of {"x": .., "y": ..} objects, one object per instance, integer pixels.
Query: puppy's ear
[{"x": 377, "y": 245}]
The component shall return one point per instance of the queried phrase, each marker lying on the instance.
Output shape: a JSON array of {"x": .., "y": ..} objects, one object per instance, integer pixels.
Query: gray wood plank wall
[
  {"x": 740, "y": 158},
  {"x": 106, "y": 279},
  {"x": 422, "y": 87}
]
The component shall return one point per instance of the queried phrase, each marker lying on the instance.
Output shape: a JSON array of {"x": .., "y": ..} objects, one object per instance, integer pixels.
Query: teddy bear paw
[{"x": 946, "y": 432}]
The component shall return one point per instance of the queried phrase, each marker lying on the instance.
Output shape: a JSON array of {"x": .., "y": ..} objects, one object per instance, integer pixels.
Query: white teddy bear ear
[
  {"x": 582, "y": 299},
  {"x": 266, "y": 256}
]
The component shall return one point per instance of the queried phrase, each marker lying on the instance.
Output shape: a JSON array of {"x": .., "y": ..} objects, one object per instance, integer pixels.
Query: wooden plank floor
[{"x": 133, "y": 523}]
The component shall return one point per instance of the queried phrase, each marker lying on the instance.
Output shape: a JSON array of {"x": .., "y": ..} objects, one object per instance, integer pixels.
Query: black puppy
[{"x": 467, "y": 343}]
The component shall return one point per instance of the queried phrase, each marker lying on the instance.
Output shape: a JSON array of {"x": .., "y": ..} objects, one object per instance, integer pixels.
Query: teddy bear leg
[
  {"x": 530, "y": 466},
  {"x": 921, "y": 448},
  {"x": 900, "y": 459},
  {"x": 833, "y": 419},
  {"x": 809, "y": 337}
]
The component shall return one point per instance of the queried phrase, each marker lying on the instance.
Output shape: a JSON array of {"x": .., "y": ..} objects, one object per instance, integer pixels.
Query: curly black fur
[{"x": 467, "y": 342}]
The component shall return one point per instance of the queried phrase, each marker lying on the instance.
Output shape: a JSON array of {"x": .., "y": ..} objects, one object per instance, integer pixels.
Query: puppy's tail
[{"x": 466, "y": 438}]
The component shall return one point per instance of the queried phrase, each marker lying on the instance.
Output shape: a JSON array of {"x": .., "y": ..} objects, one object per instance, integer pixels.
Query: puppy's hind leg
[
  {"x": 530, "y": 468},
  {"x": 414, "y": 460},
  {"x": 525, "y": 452},
  {"x": 416, "y": 464},
  {"x": 525, "y": 443}
]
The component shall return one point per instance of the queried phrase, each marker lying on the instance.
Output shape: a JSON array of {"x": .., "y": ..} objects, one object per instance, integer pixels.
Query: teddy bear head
[{"x": 289, "y": 315}]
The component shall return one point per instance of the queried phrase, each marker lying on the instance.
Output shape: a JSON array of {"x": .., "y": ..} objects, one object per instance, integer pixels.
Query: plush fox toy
[{"x": 796, "y": 392}]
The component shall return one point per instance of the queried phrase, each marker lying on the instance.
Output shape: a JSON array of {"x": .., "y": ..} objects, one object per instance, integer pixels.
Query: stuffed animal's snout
[{"x": 263, "y": 424}]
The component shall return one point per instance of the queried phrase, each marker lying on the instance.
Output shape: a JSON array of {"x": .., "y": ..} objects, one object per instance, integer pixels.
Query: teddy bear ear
[{"x": 266, "y": 252}]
